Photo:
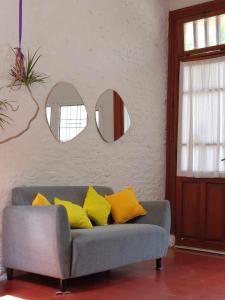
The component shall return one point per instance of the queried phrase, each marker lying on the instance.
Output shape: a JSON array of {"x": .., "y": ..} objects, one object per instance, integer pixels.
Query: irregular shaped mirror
[
  {"x": 65, "y": 112},
  {"x": 112, "y": 117}
]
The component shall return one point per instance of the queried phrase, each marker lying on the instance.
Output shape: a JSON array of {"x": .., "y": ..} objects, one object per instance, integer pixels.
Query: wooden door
[{"x": 198, "y": 204}]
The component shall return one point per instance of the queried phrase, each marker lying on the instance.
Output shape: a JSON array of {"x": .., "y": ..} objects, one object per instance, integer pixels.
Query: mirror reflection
[
  {"x": 65, "y": 112},
  {"x": 112, "y": 117}
]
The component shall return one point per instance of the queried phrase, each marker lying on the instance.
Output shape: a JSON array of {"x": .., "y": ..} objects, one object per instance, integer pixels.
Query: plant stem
[{"x": 29, "y": 123}]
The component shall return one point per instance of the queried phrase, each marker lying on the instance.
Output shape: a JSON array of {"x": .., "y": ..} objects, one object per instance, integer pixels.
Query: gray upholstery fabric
[
  {"x": 112, "y": 246},
  {"x": 158, "y": 213},
  {"x": 37, "y": 239},
  {"x": 75, "y": 194}
]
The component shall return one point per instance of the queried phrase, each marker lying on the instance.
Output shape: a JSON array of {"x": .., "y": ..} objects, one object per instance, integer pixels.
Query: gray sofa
[{"x": 39, "y": 239}]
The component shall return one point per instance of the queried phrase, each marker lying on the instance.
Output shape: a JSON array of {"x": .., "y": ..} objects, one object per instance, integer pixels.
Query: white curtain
[{"x": 201, "y": 134}]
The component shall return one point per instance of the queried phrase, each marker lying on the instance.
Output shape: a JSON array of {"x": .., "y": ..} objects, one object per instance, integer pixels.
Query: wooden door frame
[{"x": 176, "y": 55}]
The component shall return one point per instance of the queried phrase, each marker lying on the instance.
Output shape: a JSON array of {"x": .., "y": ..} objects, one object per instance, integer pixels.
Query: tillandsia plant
[{"x": 22, "y": 73}]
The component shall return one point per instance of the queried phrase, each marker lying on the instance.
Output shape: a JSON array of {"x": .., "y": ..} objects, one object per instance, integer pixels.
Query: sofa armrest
[
  {"x": 158, "y": 213},
  {"x": 37, "y": 239}
]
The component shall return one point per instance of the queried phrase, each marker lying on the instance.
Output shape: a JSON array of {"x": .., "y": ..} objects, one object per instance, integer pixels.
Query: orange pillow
[
  {"x": 40, "y": 200},
  {"x": 125, "y": 206}
]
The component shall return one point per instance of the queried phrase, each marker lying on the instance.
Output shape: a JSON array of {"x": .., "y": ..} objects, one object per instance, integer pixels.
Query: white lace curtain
[{"x": 201, "y": 136}]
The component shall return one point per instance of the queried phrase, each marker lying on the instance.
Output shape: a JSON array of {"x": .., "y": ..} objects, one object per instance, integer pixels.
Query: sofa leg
[
  {"x": 62, "y": 285},
  {"x": 159, "y": 264},
  {"x": 9, "y": 274}
]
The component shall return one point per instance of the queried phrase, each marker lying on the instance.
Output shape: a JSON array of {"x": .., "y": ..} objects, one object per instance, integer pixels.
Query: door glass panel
[
  {"x": 211, "y": 22},
  {"x": 200, "y": 25},
  {"x": 203, "y": 33},
  {"x": 202, "y": 118},
  {"x": 189, "y": 36},
  {"x": 222, "y": 29}
]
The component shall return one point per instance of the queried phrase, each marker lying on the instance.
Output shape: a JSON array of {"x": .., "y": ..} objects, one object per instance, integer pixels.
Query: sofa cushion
[{"x": 108, "y": 247}]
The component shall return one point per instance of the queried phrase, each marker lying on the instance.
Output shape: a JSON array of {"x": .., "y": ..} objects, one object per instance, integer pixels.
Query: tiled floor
[{"x": 186, "y": 275}]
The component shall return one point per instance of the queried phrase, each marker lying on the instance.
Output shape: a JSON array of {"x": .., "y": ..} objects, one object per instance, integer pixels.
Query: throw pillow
[
  {"x": 97, "y": 207},
  {"x": 125, "y": 206},
  {"x": 40, "y": 200},
  {"x": 76, "y": 214}
]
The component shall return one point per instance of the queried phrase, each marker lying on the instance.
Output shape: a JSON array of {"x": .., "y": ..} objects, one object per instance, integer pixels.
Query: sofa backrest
[{"x": 75, "y": 194}]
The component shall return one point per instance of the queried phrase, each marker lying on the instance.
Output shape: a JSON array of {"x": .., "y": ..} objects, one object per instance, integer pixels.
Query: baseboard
[{"x": 200, "y": 250}]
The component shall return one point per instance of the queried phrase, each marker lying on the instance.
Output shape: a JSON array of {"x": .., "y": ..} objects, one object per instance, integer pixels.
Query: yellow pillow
[
  {"x": 96, "y": 206},
  {"x": 40, "y": 200},
  {"x": 76, "y": 214},
  {"x": 125, "y": 206}
]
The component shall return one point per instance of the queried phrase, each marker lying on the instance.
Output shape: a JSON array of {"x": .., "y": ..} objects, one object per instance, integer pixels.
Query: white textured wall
[
  {"x": 177, "y": 4},
  {"x": 96, "y": 45}
]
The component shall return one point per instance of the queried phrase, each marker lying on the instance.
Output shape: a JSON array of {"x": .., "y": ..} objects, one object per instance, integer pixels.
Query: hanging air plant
[{"x": 22, "y": 73}]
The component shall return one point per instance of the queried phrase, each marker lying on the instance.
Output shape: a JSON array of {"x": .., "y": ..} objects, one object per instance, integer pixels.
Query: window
[
  {"x": 73, "y": 119},
  {"x": 205, "y": 32},
  {"x": 201, "y": 143}
]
